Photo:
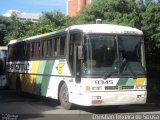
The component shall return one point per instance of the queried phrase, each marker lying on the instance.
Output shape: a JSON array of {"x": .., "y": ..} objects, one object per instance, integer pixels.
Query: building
[
  {"x": 34, "y": 17},
  {"x": 74, "y": 6}
]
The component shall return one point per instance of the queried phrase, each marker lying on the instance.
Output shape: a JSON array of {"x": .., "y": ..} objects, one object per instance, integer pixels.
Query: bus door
[{"x": 75, "y": 63}]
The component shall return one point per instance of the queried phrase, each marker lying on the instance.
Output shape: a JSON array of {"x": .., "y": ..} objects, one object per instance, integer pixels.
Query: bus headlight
[
  {"x": 97, "y": 88},
  {"x": 141, "y": 87}
]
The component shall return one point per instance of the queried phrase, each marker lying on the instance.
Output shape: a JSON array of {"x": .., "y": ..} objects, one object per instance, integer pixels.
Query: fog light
[
  {"x": 97, "y": 88},
  {"x": 141, "y": 87}
]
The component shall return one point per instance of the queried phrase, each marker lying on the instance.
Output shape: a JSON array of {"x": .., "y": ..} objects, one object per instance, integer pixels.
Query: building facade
[
  {"x": 34, "y": 17},
  {"x": 74, "y": 6}
]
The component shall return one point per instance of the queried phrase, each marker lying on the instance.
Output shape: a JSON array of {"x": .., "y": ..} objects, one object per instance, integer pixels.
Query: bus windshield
[
  {"x": 131, "y": 52},
  {"x": 110, "y": 53}
]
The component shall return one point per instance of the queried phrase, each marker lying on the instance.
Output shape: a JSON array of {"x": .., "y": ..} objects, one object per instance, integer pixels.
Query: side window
[
  {"x": 35, "y": 50},
  {"x": 27, "y": 51},
  {"x": 60, "y": 46},
  {"x": 21, "y": 51},
  {"x": 55, "y": 47},
  {"x": 46, "y": 48},
  {"x": 10, "y": 53},
  {"x": 49, "y": 48},
  {"x": 17, "y": 52}
]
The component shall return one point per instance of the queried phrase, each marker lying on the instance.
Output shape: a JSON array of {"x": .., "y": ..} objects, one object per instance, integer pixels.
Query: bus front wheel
[{"x": 64, "y": 97}]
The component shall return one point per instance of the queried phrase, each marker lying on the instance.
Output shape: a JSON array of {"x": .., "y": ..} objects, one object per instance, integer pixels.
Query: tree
[
  {"x": 13, "y": 28},
  {"x": 5, "y": 22},
  {"x": 135, "y": 13},
  {"x": 17, "y": 29},
  {"x": 49, "y": 21},
  {"x": 151, "y": 29},
  {"x": 125, "y": 12}
]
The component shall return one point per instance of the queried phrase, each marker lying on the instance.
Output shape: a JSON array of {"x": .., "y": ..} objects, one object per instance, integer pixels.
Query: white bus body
[{"x": 97, "y": 65}]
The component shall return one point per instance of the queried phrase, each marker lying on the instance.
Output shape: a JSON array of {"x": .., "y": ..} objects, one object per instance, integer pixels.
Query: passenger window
[
  {"x": 27, "y": 51},
  {"x": 59, "y": 46},
  {"x": 62, "y": 45},
  {"x": 46, "y": 48},
  {"x": 35, "y": 51},
  {"x": 56, "y": 46},
  {"x": 49, "y": 48}
]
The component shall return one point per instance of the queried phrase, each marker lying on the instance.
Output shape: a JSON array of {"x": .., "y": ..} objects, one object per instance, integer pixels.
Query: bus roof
[
  {"x": 93, "y": 28},
  {"x": 3, "y": 47},
  {"x": 107, "y": 28}
]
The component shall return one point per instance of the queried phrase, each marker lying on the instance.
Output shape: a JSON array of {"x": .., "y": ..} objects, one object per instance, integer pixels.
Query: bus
[
  {"x": 87, "y": 65},
  {"x": 3, "y": 55}
]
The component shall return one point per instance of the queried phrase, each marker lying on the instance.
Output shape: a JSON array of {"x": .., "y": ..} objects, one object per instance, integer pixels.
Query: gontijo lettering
[{"x": 18, "y": 66}]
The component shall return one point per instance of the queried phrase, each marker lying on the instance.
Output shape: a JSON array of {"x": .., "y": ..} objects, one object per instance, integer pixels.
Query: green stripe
[
  {"x": 130, "y": 82},
  {"x": 122, "y": 81},
  {"x": 45, "y": 79},
  {"x": 38, "y": 82},
  {"x": 126, "y": 81}
]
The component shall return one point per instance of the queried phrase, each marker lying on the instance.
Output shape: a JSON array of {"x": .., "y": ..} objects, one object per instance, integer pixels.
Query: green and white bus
[{"x": 88, "y": 65}]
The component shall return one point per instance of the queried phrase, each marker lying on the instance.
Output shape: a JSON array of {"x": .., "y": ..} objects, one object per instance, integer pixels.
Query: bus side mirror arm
[{"x": 80, "y": 52}]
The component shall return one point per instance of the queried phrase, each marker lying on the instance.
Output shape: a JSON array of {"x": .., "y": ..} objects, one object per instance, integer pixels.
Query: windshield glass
[
  {"x": 130, "y": 51},
  {"x": 3, "y": 53},
  {"x": 100, "y": 54},
  {"x": 112, "y": 54}
]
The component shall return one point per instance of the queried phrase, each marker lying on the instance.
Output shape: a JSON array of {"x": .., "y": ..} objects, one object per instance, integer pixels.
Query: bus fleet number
[{"x": 104, "y": 82}]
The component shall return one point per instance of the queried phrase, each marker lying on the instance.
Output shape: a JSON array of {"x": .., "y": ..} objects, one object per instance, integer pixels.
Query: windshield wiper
[
  {"x": 132, "y": 72},
  {"x": 122, "y": 63},
  {"x": 107, "y": 75},
  {"x": 119, "y": 64}
]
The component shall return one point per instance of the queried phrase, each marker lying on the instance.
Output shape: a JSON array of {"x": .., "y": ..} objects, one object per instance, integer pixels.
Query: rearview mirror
[{"x": 80, "y": 52}]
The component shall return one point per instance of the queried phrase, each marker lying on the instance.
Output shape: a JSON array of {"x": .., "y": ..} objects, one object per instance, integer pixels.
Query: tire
[{"x": 64, "y": 97}]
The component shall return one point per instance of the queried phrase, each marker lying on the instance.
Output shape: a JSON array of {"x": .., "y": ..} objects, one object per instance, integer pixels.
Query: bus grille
[{"x": 119, "y": 87}]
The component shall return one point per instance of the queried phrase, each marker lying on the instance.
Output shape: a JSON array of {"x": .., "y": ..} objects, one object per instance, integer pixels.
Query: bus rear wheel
[{"x": 64, "y": 97}]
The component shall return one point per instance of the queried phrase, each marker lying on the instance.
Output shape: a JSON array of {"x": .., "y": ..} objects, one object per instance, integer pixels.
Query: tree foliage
[
  {"x": 134, "y": 13},
  {"x": 5, "y": 24},
  {"x": 16, "y": 29}
]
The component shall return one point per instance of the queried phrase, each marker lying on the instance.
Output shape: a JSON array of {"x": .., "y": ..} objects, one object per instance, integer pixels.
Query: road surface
[{"x": 29, "y": 107}]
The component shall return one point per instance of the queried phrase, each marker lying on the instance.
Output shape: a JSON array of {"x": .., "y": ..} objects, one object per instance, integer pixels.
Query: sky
[{"x": 32, "y": 6}]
